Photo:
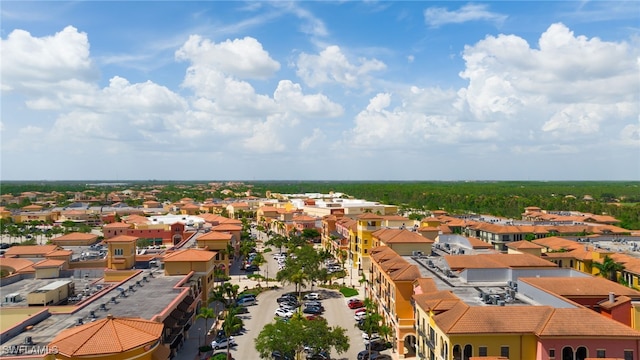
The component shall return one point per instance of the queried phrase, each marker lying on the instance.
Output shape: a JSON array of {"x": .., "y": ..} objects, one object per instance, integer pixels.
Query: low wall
[
  {"x": 88, "y": 264},
  {"x": 19, "y": 328}
]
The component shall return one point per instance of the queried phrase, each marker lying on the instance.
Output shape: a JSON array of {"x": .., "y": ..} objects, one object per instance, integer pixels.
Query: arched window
[
  {"x": 581, "y": 353},
  {"x": 567, "y": 353},
  {"x": 468, "y": 352},
  {"x": 457, "y": 352}
]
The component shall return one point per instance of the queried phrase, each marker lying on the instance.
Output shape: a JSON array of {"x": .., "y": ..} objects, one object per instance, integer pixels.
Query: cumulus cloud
[
  {"x": 243, "y": 58},
  {"x": 34, "y": 64},
  {"x": 438, "y": 16},
  {"x": 332, "y": 66}
]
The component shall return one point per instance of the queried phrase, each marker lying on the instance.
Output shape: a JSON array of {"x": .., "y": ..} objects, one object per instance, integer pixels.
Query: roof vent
[{"x": 28, "y": 340}]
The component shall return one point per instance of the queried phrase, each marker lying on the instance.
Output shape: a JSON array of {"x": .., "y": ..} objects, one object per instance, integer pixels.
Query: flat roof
[
  {"x": 145, "y": 301},
  {"x": 54, "y": 285}
]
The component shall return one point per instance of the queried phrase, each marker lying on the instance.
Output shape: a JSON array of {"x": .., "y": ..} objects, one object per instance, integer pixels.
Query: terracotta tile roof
[
  {"x": 447, "y": 319},
  {"x": 16, "y": 264},
  {"x": 215, "y": 235},
  {"x": 190, "y": 255},
  {"x": 226, "y": 227},
  {"x": 49, "y": 263},
  {"x": 24, "y": 250},
  {"x": 121, "y": 238},
  {"x": 395, "y": 218},
  {"x": 107, "y": 336},
  {"x": 303, "y": 218},
  {"x": 76, "y": 236},
  {"x": 496, "y": 261},
  {"x": 400, "y": 236},
  {"x": 436, "y": 301},
  {"x": 580, "y": 286},
  {"x": 117, "y": 225},
  {"x": 191, "y": 206},
  {"x": 429, "y": 228},
  {"x": 557, "y": 243},
  {"x": 571, "y": 322},
  {"x": 519, "y": 245},
  {"x": 60, "y": 253},
  {"x": 501, "y": 320},
  {"x": 424, "y": 285},
  {"x": 617, "y": 301},
  {"x": 479, "y": 244}
]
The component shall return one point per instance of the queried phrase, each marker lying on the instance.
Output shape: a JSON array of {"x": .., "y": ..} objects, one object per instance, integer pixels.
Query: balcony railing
[{"x": 431, "y": 344}]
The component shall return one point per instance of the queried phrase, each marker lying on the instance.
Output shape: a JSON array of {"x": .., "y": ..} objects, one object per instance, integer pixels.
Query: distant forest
[{"x": 620, "y": 199}]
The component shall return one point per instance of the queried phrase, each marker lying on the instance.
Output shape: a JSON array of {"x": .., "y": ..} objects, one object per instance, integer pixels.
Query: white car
[
  {"x": 372, "y": 340},
  {"x": 312, "y": 296},
  {"x": 223, "y": 343},
  {"x": 284, "y": 313},
  {"x": 366, "y": 336},
  {"x": 360, "y": 316}
]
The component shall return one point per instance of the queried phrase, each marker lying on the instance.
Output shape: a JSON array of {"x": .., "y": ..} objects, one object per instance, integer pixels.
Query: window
[
  {"x": 600, "y": 353},
  {"x": 482, "y": 351},
  {"x": 552, "y": 353},
  {"x": 118, "y": 252},
  {"x": 504, "y": 351},
  {"x": 628, "y": 355}
]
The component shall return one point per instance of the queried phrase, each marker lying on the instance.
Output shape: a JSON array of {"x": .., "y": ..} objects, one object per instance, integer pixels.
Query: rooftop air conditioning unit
[{"x": 416, "y": 253}]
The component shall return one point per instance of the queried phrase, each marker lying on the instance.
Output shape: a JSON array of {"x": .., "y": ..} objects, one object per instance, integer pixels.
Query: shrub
[{"x": 205, "y": 348}]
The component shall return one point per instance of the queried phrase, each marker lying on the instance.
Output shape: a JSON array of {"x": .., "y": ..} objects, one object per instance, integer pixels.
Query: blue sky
[{"x": 320, "y": 90}]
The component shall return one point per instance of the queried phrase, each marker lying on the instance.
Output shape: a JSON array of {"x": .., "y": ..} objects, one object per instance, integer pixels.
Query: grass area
[{"x": 348, "y": 292}]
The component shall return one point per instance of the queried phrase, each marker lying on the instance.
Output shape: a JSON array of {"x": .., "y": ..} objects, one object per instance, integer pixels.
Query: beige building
[
  {"x": 403, "y": 242},
  {"x": 201, "y": 262},
  {"x": 121, "y": 252},
  {"x": 52, "y": 294}
]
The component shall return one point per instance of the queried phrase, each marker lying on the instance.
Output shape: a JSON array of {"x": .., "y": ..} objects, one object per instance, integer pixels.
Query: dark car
[
  {"x": 377, "y": 346},
  {"x": 312, "y": 310},
  {"x": 364, "y": 354},
  {"x": 277, "y": 355},
  {"x": 287, "y": 298},
  {"x": 252, "y": 268},
  {"x": 380, "y": 357},
  {"x": 322, "y": 355}
]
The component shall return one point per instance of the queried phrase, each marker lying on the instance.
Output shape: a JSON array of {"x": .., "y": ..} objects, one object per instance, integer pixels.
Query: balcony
[{"x": 431, "y": 344}]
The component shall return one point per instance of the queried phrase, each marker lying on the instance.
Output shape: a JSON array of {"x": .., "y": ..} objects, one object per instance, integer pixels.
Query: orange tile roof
[
  {"x": 518, "y": 245},
  {"x": 49, "y": 263},
  {"x": 478, "y": 244},
  {"x": 215, "y": 235},
  {"x": 76, "y": 236},
  {"x": 107, "y": 336},
  {"x": 617, "y": 301},
  {"x": 580, "y": 286},
  {"x": 395, "y": 218},
  {"x": 226, "y": 227},
  {"x": 370, "y": 216},
  {"x": 496, "y": 261},
  {"x": 303, "y": 218},
  {"x": 117, "y": 225},
  {"x": 38, "y": 250},
  {"x": 501, "y": 320},
  {"x": 60, "y": 253},
  {"x": 557, "y": 243},
  {"x": 122, "y": 238},
  {"x": 16, "y": 264},
  {"x": 190, "y": 255},
  {"x": 571, "y": 322},
  {"x": 424, "y": 285}
]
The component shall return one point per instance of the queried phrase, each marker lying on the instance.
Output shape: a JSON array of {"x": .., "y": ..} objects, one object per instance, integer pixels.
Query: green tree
[
  {"x": 225, "y": 293},
  {"x": 291, "y": 337},
  {"x": 371, "y": 323},
  {"x": 206, "y": 313},
  {"x": 609, "y": 268},
  {"x": 231, "y": 325}
]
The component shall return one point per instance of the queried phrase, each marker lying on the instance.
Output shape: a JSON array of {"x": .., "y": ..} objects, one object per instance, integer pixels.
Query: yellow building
[
  {"x": 391, "y": 289},
  {"x": 121, "y": 252},
  {"x": 367, "y": 223},
  {"x": 51, "y": 294},
  {"x": 218, "y": 242},
  {"x": 524, "y": 247},
  {"x": 201, "y": 262},
  {"x": 49, "y": 269},
  {"x": 111, "y": 339}
]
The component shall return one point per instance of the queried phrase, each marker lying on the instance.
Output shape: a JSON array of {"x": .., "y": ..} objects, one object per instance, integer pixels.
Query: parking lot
[{"x": 337, "y": 313}]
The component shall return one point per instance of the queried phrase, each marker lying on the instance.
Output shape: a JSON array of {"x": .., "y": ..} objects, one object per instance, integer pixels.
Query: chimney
[{"x": 612, "y": 297}]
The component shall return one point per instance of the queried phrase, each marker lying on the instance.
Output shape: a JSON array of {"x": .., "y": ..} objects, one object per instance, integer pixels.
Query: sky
[{"x": 320, "y": 90}]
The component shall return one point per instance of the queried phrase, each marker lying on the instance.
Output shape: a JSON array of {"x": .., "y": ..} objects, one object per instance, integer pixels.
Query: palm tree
[
  {"x": 206, "y": 313},
  {"x": 608, "y": 268},
  {"x": 231, "y": 325}
]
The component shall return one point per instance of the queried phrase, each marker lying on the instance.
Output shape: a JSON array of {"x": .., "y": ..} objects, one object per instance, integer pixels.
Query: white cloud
[
  {"x": 243, "y": 58},
  {"x": 630, "y": 135},
  {"x": 34, "y": 64},
  {"x": 332, "y": 66},
  {"x": 438, "y": 16},
  {"x": 290, "y": 97},
  {"x": 308, "y": 141}
]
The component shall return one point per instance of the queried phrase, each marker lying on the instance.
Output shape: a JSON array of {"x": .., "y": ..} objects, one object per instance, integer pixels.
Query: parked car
[
  {"x": 377, "y": 346},
  {"x": 247, "y": 301},
  {"x": 372, "y": 340},
  {"x": 277, "y": 355},
  {"x": 360, "y": 316},
  {"x": 223, "y": 342},
  {"x": 364, "y": 354},
  {"x": 367, "y": 336},
  {"x": 313, "y": 303},
  {"x": 380, "y": 357},
  {"x": 356, "y": 305},
  {"x": 286, "y": 298},
  {"x": 360, "y": 311},
  {"x": 322, "y": 355},
  {"x": 312, "y": 310},
  {"x": 252, "y": 268},
  {"x": 288, "y": 307},
  {"x": 312, "y": 296},
  {"x": 283, "y": 313}
]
